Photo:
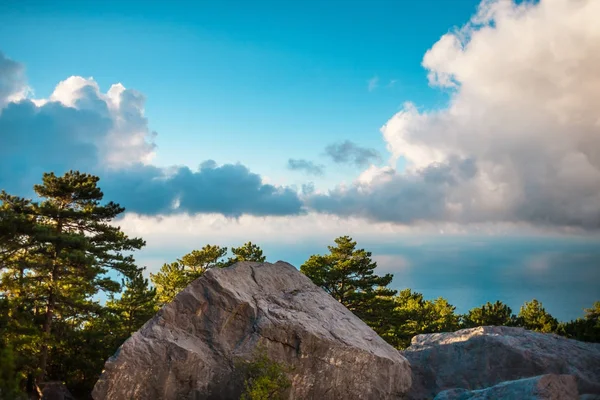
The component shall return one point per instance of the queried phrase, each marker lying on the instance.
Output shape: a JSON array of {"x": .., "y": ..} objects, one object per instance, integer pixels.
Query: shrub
[{"x": 264, "y": 379}]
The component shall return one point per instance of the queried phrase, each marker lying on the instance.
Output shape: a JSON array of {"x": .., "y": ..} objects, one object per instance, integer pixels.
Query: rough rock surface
[
  {"x": 544, "y": 387},
  {"x": 188, "y": 350},
  {"x": 54, "y": 391},
  {"x": 482, "y": 357}
]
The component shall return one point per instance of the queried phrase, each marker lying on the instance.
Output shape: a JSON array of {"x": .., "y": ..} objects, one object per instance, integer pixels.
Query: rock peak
[{"x": 188, "y": 349}]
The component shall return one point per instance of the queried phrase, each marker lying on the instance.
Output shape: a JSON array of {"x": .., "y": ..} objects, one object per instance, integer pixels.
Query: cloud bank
[
  {"x": 79, "y": 127},
  {"x": 520, "y": 138},
  {"x": 518, "y": 143}
]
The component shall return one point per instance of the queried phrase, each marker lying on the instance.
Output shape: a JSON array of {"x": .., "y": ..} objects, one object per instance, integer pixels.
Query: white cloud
[
  {"x": 519, "y": 142},
  {"x": 80, "y": 127},
  {"x": 190, "y": 230},
  {"x": 524, "y": 111},
  {"x": 129, "y": 140}
]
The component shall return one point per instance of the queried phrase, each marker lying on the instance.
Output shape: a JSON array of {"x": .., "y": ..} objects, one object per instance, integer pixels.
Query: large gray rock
[
  {"x": 482, "y": 357},
  {"x": 188, "y": 350},
  {"x": 544, "y": 387}
]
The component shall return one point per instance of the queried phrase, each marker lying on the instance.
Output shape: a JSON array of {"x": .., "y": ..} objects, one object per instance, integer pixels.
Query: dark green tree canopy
[
  {"x": 496, "y": 313},
  {"x": 415, "y": 315},
  {"x": 246, "y": 252},
  {"x": 534, "y": 316},
  {"x": 348, "y": 275},
  {"x": 62, "y": 249},
  {"x": 135, "y": 306},
  {"x": 174, "y": 277}
]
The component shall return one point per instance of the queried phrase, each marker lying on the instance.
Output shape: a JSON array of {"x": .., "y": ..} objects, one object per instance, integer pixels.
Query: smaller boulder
[
  {"x": 485, "y": 356},
  {"x": 543, "y": 387},
  {"x": 54, "y": 391}
]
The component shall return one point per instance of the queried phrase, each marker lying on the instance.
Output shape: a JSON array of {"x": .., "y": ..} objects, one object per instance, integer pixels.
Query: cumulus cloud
[
  {"x": 304, "y": 165},
  {"x": 80, "y": 127},
  {"x": 386, "y": 195},
  {"x": 520, "y": 138},
  {"x": 347, "y": 152}
]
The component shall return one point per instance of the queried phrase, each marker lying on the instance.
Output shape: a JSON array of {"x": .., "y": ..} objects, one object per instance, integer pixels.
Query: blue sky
[
  {"x": 224, "y": 80},
  {"x": 468, "y": 127}
]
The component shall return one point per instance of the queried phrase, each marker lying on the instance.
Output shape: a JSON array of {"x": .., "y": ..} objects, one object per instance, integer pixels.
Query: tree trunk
[
  {"x": 50, "y": 306},
  {"x": 47, "y": 330}
]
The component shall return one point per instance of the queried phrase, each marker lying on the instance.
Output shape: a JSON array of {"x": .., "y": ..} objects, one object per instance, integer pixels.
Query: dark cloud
[
  {"x": 304, "y": 165},
  {"x": 403, "y": 198},
  {"x": 48, "y": 138},
  {"x": 308, "y": 188},
  {"x": 107, "y": 134},
  {"x": 348, "y": 152},
  {"x": 12, "y": 79},
  {"x": 231, "y": 190}
]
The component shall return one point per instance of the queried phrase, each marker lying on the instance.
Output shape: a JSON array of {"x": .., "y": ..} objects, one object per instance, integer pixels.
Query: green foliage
[
  {"x": 264, "y": 379},
  {"x": 415, "y": 316},
  {"x": 170, "y": 280},
  {"x": 9, "y": 380},
  {"x": 498, "y": 314},
  {"x": 174, "y": 277},
  {"x": 586, "y": 329},
  {"x": 198, "y": 261},
  {"x": 533, "y": 316},
  {"x": 135, "y": 306},
  {"x": 59, "y": 253},
  {"x": 348, "y": 275},
  {"x": 593, "y": 313},
  {"x": 55, "y": 257},
  {"x": 247, "y": 252}
]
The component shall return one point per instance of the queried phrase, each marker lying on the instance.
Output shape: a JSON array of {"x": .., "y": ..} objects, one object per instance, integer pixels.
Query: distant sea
[{"x": 561, "y": 272}]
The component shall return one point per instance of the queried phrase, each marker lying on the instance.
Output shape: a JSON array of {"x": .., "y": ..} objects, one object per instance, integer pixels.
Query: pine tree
[
  {"x": 348, "y": 275},
  {"x": 535, "y": 317},
  {"x": 417, "y": 315},
  {"x": 586, "y": 329},
  {"x": 197, "y": 262},
  {"x": 62, "y": 250},
  {"x": 136, "y": 305},
  {"x": 169, "y": 281},
  {"x": 174, "y": 277},
  {"x": 497, "y": 314},
  {"x": 9, "y": 381},
  {"x": 247, "y": 252}
]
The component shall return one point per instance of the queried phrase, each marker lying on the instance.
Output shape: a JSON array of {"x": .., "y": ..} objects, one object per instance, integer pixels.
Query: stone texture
[
  {"x": 544, "y": 387},
  {"x": 188, "y": 350},
  {"x": 54, "y": 391},
  {"x": 482, "y": 357}
]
